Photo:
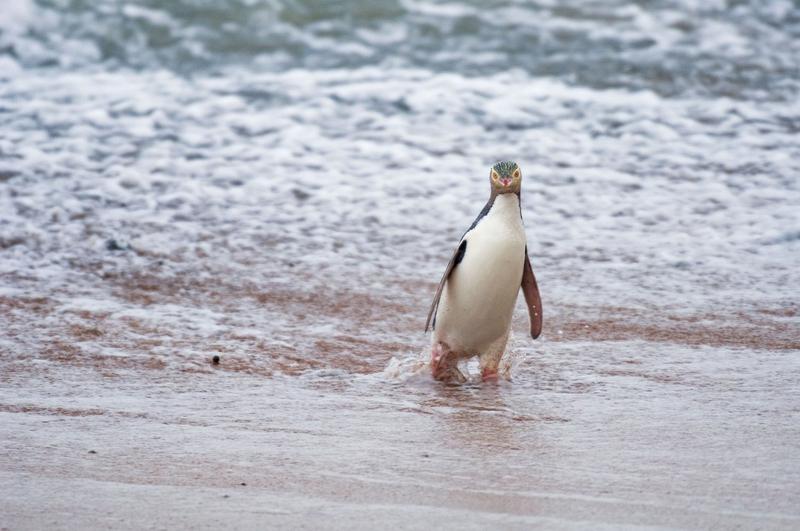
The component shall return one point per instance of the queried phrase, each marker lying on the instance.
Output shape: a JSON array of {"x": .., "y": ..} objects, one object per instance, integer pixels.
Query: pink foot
[
  {"x": 438, "y": 356},
  {"x": 489, "y": 375},
  {"x": 443, "y": 366}
]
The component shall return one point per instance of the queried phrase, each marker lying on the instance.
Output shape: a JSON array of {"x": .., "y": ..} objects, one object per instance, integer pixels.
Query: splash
[
  {"x": 408, "y": 367},
  {"x": 417, "y": 366}
]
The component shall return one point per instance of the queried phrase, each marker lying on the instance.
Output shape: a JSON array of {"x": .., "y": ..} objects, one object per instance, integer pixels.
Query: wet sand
[{"x": 625, "y": 420}]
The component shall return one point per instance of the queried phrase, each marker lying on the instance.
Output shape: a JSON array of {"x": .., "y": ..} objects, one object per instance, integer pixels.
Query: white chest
[{"x": 500, "y": 233}]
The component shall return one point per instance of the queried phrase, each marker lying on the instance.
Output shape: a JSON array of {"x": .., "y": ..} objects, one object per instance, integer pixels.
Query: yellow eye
[
  {"x": 495, "y": 176},
  {"x": 516, "y": 173}
]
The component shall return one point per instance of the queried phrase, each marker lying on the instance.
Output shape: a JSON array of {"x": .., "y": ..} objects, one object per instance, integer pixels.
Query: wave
[{"x": 674, "y": 48}]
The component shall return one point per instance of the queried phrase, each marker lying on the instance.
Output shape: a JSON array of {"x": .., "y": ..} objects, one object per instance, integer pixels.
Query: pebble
[{"x": 115, "y": 245}]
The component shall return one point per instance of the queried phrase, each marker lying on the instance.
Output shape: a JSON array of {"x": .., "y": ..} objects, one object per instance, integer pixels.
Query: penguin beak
[{"x": 505, "y": 181}]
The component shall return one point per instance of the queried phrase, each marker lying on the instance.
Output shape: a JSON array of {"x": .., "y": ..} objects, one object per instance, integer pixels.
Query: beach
[{"x": 281, "y": 185}]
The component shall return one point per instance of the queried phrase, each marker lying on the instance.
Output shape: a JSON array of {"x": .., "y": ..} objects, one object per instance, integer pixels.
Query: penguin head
[{"x": 505, "y": 177}]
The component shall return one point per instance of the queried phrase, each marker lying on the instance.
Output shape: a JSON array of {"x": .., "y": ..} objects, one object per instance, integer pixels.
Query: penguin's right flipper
[
  {"x": 532, "y": 298},
  {"x": 458, "y": 255}
]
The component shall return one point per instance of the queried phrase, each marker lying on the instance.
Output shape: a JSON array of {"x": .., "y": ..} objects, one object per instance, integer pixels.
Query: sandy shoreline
[
  {"x": 593, "y": 432},
  {"x": 89, "y": 504}
]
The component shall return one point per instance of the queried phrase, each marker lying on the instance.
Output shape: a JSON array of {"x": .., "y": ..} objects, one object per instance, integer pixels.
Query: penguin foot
[
  {"x": 452, "y": 375},
  {"x": 444, "y": 365},
  {"x": 489, "y": 375}
]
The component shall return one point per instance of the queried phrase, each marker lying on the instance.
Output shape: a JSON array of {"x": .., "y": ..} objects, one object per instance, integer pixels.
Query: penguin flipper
[
  {"x": 458, "y": 255},
  {"x": 532, "y": 298}
]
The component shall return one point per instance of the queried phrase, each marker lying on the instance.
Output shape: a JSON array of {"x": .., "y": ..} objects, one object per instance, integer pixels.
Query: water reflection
[{"x": 475, "y": 417}]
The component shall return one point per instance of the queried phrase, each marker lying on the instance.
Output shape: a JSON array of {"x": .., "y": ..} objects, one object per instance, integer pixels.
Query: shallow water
[{"x": 282, "y": 183}]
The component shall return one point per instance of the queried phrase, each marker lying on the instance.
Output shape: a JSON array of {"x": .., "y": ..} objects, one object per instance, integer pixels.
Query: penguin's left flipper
[
  {"x": 532, "y": 298},
  {"x": 458, "y": 255}
]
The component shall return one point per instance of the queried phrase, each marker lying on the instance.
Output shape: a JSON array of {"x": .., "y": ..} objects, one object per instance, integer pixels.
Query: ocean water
[{"x": 281, "y": 183}]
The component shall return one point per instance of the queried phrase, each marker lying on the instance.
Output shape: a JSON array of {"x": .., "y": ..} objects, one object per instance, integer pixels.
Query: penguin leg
[
  {"x": 490, "y": 360},
  {"x": 444, "y": 364}
]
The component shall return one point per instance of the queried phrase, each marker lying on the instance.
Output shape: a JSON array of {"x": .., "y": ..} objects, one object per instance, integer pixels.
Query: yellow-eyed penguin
[{"x": 475, "y": 299}]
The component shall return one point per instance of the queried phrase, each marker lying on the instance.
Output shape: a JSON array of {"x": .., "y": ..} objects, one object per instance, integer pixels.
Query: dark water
[{"x": 281, "y": 184}]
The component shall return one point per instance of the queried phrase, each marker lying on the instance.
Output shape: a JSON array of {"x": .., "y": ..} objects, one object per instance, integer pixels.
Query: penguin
[{"x": 474, "y": 302}]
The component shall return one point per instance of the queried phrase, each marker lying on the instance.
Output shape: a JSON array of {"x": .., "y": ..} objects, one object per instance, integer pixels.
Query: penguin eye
[
  {"x": 516, "y": 173},
  {"x": 495, "y": 176}
]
